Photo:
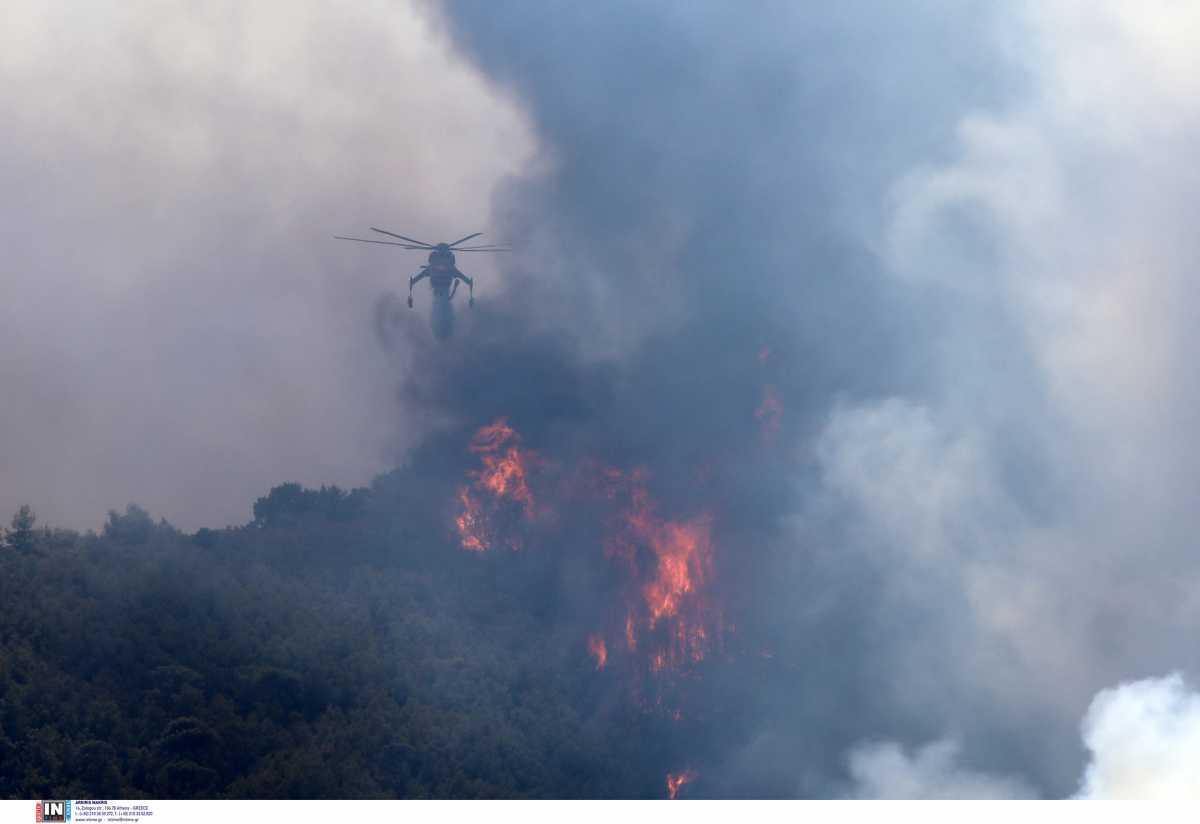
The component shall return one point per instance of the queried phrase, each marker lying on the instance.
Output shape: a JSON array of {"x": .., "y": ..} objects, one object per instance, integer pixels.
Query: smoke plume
[{"x": 1144, "y": 741}]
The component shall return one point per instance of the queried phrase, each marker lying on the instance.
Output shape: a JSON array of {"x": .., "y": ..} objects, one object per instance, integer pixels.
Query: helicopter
[{"x": 444, "y": 276}]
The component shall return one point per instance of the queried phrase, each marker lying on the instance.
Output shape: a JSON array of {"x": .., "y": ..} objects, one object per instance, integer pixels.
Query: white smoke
[
  {"x": 1036, "y": 506},
  {"x": 1144, "y": 738},
  {"x": 885, "y": 770}
]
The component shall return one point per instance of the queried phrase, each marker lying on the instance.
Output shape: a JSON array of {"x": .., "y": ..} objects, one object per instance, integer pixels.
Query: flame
[
  {"x": 677, "y": 780},
  {"x": 503, "y": 476},
  {"x": 770, "y": 412},
  {"x": 470, "y": 523},
  {"x": 683, "y": 551},
  {"x": 598, "y": 650},
  {"x": 666, "y": 563},
  {"x": 668, "y": 596},
  {"x": 504, "y": 471}
]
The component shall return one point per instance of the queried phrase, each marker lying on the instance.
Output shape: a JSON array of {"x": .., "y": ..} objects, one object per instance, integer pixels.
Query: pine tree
[{"x": 20, "y": 537}]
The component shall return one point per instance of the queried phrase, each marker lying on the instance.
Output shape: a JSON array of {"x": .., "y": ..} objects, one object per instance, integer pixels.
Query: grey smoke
[
  {"x": 964, "y": 233},
  {"x": 178, "y": 327},
  {"x": 965, "y": 241}
]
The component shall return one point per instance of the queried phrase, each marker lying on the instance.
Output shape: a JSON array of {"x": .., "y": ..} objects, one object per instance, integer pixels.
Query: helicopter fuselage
[
  {"x": 440, "y": 280},
  {"x": 442, "y": 270},
  {"x": 444, "y": 276}
]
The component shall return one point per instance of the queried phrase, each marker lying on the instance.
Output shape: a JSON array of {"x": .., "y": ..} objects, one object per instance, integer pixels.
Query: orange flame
[
  {"x": 598, "y": 650},
  {"x": 504, "y": 475},
  {"x": 470, "y": 523},
  {"x": 677, "y": 780},
  {"x": 684, "y": 551},
  {"x": 669, "y": 622},
  {"x": 504, "y": 463},
  {"x": 670, "y": 596}
]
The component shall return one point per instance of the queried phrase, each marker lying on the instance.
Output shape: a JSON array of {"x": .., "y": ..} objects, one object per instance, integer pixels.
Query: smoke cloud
[
  {"x": 900, "y": 299},
  {"x": 1144, "y": 741},
  {"x": 886, "y": 771},
  {"x": 179, "y": 327},
  {"x": 965, "y": 252}
]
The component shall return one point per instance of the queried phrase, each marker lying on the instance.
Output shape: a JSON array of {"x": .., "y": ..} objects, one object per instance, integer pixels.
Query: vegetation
[{"x": 321, "y": 650}]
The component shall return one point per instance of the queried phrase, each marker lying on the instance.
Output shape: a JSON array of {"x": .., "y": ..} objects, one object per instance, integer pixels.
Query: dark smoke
[{"x": 685, "y": 247}]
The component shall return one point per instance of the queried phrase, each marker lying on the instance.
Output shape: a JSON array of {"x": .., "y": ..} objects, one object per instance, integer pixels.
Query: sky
[
  {"x": 954, "y": 240},
  {"x": 179, "y": 327}
]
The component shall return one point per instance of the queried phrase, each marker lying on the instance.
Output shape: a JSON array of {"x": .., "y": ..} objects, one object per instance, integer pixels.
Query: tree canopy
[{"x": 321, "y": 650}]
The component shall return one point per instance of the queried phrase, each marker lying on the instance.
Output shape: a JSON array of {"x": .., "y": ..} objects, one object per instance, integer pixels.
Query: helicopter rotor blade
[
  {"x": 484, "y": 249},
  {"x": 463, "y": 239},
  {"x": 384, "y": 242},
  {"x": 420, "y": 243}
]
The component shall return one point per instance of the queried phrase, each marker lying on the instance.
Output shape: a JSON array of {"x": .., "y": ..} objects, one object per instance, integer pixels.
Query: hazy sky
[
  {"x": 178, "y": 326},
  {"x": 966, "y": 232}
]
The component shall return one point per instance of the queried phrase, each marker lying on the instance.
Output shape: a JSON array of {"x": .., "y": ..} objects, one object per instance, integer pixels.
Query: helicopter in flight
[{"x": 444, "y": 276}]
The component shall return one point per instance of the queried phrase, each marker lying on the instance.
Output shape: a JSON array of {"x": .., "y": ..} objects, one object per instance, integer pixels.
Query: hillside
[{"x": 321, "y": 650}]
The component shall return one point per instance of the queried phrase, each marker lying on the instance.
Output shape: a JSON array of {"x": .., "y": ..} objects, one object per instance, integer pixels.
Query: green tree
[
  {"x": 134, "y": 527},
  {"x": 20, "y": 537}
]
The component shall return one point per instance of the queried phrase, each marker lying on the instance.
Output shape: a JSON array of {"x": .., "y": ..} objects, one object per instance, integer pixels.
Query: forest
[{"x": 338, "y": 645}]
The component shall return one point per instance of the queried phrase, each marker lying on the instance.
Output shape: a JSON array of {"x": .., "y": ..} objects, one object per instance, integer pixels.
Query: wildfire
[
  {"x": 666, "y": 563},
  {"x": 684, "y": 551},
  {"x": 598, "y": 650},
  {"x": 671, "y": 602},
  {"x": 504, "y": 476},
  {"x": 504, "y": 471},
  {"x": 677, "y": 780},
  {"x": 662, "y": 620},
  {"x": 470, "y": 523}
]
